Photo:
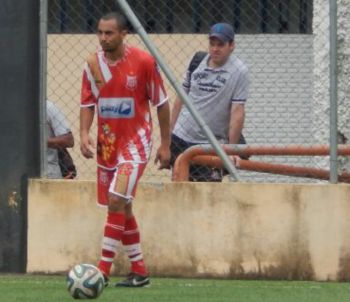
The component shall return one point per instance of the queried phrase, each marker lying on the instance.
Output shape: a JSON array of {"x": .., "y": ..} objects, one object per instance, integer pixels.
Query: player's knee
[
  {"x": 116, "y": 203},
  {"x": 128, "y": 210}
]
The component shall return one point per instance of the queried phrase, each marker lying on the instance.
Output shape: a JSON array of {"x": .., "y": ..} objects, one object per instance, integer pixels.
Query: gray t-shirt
[
  {"x": 56, "y": 124},
  {"x": 212, "y": 92}
]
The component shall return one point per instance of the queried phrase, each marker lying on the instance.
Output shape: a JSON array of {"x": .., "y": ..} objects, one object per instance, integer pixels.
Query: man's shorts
[
  {"x": 197, "y": 173},
  {"x": 122, "y": 181}
]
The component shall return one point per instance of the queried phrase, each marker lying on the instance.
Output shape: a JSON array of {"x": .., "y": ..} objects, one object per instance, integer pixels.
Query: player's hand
[
  {"x": 87, "y": 146},
  {"x": 163, "y": 157}
]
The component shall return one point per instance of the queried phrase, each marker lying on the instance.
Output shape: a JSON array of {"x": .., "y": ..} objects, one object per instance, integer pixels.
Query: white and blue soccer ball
[{"x": 85, "y": 281}]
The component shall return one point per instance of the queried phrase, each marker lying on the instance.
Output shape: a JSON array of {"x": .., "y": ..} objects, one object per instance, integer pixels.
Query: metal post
[
  {"x": 263, "y": 15},
  {"x": 283, "y": 10},
  {"x": 196, "y": 16},
  {"x": 63, "y": 16},
  {"x": 237, "y": 15},
  {"x": 43, "y": 83},
  {"x": 89, "y": 12},
  {"x": 169, "y": 15},
  {"x": 333, "y": 91},
  {"x": 141, "y": 31},
  {"x": 303, "y": 17}
]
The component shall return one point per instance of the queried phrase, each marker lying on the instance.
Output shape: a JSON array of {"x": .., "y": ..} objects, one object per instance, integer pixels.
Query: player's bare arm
[
  {"x": 175, "y": 113},
  {"x": 236, "y": 122},
  {"x": 61, "y": 141},
  {"x": 87, "y": 144},
  {"x": 163, "y": 152}
]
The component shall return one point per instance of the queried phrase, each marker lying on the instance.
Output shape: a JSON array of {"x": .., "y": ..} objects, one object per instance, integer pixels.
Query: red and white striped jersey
[{"x": 121, "y": 93}]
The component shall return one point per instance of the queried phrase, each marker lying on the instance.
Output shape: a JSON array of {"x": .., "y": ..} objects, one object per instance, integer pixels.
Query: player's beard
[
  {"x": 108, "y": 48},
  {"x": 111, "y": 48}
]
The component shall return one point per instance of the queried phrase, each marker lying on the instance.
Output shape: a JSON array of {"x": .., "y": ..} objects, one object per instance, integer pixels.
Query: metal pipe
[
  {"x": 42, "y": 87},
  {"x": 205, "y": 155},
  {"x": 262, "y": 167},
  {"x": 333, "y": 131},
  {"x": 288, "y": 170},
  {"x": 185, "y": 99},
  {"x": 287, "y": 150}
]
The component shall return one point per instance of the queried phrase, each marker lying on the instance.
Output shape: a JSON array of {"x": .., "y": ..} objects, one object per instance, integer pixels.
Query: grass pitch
[{"x": 31, "y": 288}]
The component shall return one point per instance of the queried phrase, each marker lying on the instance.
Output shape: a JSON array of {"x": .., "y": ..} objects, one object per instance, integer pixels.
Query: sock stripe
[
  {"x": 131, "y": 232},
  {"x": 106, "y": 259},
  {"x": 116, "y": 227},
  {"x": 110, "y": 244},
  {"x": 137, "y": 257},
  {"x": 132, "y": 249}
]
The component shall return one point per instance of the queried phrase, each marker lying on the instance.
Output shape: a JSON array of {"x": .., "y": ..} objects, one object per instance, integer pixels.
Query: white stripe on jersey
[
  {"x": 162, "y": 95},
  {"x": 144, "y": 141},
  {"x": 104, "y": 67},
  {"x": 132, "y": 180},
  {"x": 109, "y": 244},
  {"x": 87, "y": 105},
  {"x": 162, "y": 102},
  {"x": 134, "y": 153},
  {"x": 91, "y": 79},
  {"x": 121, "y": 158}
]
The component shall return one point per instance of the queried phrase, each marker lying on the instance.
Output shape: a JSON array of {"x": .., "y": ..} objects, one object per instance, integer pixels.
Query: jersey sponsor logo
[
  {"x": 116, "y": 108},
  {"x": 131, "y": 82}
]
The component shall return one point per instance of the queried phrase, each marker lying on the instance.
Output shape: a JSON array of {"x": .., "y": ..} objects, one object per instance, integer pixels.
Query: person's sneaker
[
  {"x": 134, "y": 280},
  {"x": 106, "y": 280}
]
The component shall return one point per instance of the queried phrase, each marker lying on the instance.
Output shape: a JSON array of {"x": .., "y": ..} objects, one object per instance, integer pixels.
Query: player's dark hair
[{"x": 119, "y": 19}]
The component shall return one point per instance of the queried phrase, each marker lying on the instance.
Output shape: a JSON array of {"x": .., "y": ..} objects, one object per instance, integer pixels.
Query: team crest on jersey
[{"x": 131, "y": 82}]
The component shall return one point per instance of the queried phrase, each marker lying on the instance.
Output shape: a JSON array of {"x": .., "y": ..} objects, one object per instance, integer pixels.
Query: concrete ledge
[{"x": 226, "y": 230}]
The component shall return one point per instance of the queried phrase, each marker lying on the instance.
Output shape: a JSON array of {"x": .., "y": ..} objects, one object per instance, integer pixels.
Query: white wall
[
  {"x": 321, "y": 71},
  {"x": 288, "y": 231}
]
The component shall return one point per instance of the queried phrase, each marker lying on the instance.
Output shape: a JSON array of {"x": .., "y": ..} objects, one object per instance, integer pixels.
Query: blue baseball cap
[{"x": 222, "y": 31}]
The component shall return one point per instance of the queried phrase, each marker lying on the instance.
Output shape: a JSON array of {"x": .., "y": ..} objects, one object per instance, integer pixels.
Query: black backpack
[
  {"x": 66, "y": 164},
  {"x": 196, "y": 60}
]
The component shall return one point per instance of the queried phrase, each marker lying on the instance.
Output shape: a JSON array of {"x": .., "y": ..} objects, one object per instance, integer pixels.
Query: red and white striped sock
[
  {"x": 132, "y": 246},
  {"x": 113, "y": 233}
]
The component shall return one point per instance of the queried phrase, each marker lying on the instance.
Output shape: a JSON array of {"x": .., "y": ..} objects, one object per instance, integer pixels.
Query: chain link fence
[{"x": 280, "y": 42}]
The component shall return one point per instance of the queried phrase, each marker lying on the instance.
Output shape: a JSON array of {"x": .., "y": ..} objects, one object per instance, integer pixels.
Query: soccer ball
[{"x": 85, "y": 281}]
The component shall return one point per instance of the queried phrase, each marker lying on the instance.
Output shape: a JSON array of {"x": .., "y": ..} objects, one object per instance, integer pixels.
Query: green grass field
[{"x": 30, "y": 288}]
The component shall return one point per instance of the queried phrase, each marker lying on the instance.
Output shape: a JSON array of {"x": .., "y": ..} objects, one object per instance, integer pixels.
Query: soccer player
[{"x": 120, "y": 82}]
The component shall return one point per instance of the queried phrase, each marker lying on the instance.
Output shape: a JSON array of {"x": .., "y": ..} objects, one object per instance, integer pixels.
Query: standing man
[
  {"x": 218, "y": 88},
  {"x": 120, "y": 81}
]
